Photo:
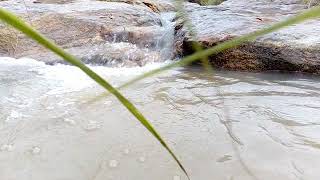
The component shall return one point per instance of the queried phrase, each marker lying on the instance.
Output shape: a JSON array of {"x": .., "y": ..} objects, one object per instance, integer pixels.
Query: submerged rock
[
  {"x": 292, "y": 49},
  {"x": 91, "y": 30}
]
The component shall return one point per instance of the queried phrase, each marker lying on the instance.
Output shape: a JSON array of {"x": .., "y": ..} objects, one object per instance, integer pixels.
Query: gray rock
[
  {"x": 292, "y": 49},
  {"x": 86, "y": 27}
]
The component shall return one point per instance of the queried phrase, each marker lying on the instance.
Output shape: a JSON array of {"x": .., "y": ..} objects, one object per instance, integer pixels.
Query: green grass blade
[
  {"x": 19, "y": 24},
  {"x": 309, "y": 14},
  {"x": 181, "y": 12}
]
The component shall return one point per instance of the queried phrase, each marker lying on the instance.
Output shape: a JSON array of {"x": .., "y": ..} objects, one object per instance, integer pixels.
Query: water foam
[{"x": 67, "y": 78}]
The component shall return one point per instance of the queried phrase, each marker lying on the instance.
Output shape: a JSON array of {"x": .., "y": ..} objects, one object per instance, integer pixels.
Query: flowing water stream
[
  {"x": 54, "y": 125},
  {"x": 226, "y": 125}
]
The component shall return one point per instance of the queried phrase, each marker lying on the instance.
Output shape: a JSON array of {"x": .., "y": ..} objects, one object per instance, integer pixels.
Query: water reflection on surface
[{"x": 229, "y": 125}]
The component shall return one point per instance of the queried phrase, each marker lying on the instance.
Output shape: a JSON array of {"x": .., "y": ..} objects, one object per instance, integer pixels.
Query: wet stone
[{"x": 295, "y": 48}]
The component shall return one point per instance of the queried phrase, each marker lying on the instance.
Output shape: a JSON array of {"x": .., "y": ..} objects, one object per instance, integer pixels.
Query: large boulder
[
  {"x": 87, "y": 27},
  {"x": 292, "y": 49}
]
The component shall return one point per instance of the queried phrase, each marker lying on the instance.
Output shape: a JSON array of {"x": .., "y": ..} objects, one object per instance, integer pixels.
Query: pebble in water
[
  {"x": 176, "y": 178},
  {"x": 113, "y": 163},
  {"x": 36, "y": 150},
  {"x": 6, "y": 147}
]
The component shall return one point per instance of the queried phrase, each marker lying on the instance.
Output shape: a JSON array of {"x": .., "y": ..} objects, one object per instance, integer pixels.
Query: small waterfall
[
  {"x": 130, "y": 47},
  {"x": 165, "y": 42}
]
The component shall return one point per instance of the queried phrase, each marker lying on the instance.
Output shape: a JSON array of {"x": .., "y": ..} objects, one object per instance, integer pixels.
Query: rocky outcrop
[
  {"x": 111, "y": 33},
  {"x": 132, "y": 32},
  {"x": 296, "y": 48}
]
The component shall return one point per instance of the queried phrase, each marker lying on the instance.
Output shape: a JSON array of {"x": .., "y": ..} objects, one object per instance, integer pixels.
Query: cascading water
[
  {"x": 158, "y": 48},
  {"x": 165, "y": 43}
]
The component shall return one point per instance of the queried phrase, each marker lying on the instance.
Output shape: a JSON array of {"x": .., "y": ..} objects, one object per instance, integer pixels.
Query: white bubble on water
[
  {"x": 49, "y": 108},
  {"x": 176, "y": 178},
  {"x": 113, "y": 163},
  {"x": 69, "y": 121},
  {"x": 107, "y": 102},
  {"x": 14, "y": 115},
  {"x": 7, "y": 147},
  {"x": 142, "y": 159},
  {"x": 36, "y": 150},
  {"x": 126, "y": 151},
  {"x": 93, "y": 125},
  {"x": 205, "y": 130}
]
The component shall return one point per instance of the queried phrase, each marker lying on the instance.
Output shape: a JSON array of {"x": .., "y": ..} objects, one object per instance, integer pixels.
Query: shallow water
[{"x": 226, "y": 125}]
